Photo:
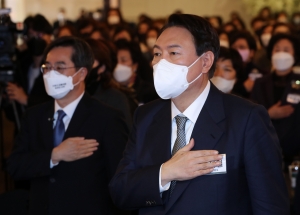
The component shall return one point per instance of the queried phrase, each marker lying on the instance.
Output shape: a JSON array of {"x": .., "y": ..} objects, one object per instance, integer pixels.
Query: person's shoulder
[
  {"x": 97, "y": 107},
  {"x": 264, "y": 79},
  {"x": 40, "y": 108},
  {"x": 153, "y": 106},
  {"x": 236, "y": 103}
]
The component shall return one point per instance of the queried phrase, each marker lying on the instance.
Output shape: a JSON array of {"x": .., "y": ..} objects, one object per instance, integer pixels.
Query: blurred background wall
[{"x": 131, "y": 9}]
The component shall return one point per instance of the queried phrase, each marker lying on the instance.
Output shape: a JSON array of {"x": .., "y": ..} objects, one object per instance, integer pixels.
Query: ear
[
  {"x": 134, "y": 67},
  {"x": 101, "y": 69},
  {"x": 82, "y": 73},
  {"x": 251, "y": 54},
  {"x": 207, "y": 61}
]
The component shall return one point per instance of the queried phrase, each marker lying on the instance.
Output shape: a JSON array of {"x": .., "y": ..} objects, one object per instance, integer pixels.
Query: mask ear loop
[
  {"x": 74, "y": 75},
  {"x": 198, "y": 75}
]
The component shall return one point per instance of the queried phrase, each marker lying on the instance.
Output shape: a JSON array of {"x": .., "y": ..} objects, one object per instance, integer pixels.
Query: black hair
[
  {"x": 41, "y": 24},
  {"x": 287, "y": 25},
  {"x": 82, "y": 55},
  {"x": 105, "y": 54},
  {"x": 236, "y": 60},
  {"x": 204, "y": 35},
  {"x": 244, "y": 35},
  {"x": 257, "y": 19},
  {"x": 120, "y": 28},
  {"x": 277, "y": 37},
  {"x": 144, "y": 70}
]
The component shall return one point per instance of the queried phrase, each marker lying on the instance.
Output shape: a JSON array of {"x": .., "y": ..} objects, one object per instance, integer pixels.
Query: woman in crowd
[
  {"x": 279, "y": 90},
  {"x": 100, "y": 83},
  {"x": 133, "y": 71},
  {"x": 229, "y": 69},
  {"x": 66, "y": 30},
  {"x": 245, "y": 44}
]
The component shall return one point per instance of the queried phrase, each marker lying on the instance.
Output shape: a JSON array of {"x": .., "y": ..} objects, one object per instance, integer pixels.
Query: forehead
[
  {"x": 284, "y": 42},
  {"x": 60, "y": 54},
  {"x": 124, "y": 53},
  {"x": 176, "y": 36},
  {"x": 224, "y": 62}
]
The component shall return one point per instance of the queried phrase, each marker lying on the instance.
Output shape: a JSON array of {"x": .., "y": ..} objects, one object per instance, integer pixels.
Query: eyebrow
[
  {"x": 59, "y": 62},
  {"x": 168, "y": 47}
]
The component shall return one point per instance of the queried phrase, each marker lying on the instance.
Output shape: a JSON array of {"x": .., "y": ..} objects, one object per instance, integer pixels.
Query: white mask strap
[
  {"x": 195, "y": 61},
  {"x": 74, "y": 75},
  {"x": 198, "y": 75},
  {"x": 194, "y": 80}
]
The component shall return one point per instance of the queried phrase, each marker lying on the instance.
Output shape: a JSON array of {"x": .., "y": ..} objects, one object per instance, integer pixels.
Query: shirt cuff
[
  {"x": 52, "y": 164},
  {"x": 163, "y": 188}
]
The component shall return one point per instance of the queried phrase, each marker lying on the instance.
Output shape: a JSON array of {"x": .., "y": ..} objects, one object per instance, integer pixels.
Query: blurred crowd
[{"x": 261, "y": 64}]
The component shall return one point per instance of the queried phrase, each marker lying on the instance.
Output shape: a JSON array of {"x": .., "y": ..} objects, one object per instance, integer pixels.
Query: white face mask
[
  {"x": 265, "y": 39},
  {"x": 113, "y": 20},
  {"x": 151, "y": 42},
  {"x": 223, "y": 84},
  {"x": 224, "y": 43},
  {"x": 282, "y": 61},
  {"x": 122, "y": 73},
  {"x": 58, "y": 85},
  {"x": 244, "y": 54},
  {"x": 170, "y": 79}
]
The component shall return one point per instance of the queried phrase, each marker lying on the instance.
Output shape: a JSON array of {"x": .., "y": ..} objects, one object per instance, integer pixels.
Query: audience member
[
  {"x": 69, "y": 148},
  {"x": 229, "y": 69},
  {"x": 100, "y": 83}
]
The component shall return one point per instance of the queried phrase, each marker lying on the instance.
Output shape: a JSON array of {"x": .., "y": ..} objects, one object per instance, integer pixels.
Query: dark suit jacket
[
  {"x": 78, "y": 187},
  {"x": 263, "y": 93},
  {"x": 253, "y": 184}
]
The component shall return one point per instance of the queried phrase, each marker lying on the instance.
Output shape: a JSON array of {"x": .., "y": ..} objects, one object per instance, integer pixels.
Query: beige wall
[
  {"x": 130, "y": 8},
  {"x": 162, "y": 8}
]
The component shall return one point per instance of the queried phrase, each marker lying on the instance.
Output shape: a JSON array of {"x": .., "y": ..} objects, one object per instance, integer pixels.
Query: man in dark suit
[
  {"x": 70, "y": 147},
  {"x": 161, "y": 174}
]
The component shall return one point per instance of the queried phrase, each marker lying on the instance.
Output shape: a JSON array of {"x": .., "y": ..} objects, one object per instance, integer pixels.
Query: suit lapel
[
  {"x": 206, "y": 133},
  {"x": 47, "y": 126},
  {"x": 80, "y": 115},
  {"x": 158, "y": 136}
]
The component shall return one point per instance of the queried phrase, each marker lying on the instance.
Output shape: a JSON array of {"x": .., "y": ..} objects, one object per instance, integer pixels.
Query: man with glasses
[{"x": 70, "y": 147}]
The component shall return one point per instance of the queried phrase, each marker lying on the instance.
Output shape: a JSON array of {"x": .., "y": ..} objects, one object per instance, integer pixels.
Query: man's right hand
[
  {"x": 74, "y": 148},
  {"x": 187, "y": 164}
]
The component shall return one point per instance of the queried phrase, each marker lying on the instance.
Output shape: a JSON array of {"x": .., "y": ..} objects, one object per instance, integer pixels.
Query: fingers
[
  {"x": 188, "y": 147},
  {"x": 202, "y": 153}
]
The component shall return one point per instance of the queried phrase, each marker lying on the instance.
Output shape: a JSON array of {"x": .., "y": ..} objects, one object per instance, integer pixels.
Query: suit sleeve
[
  {"x": 114, "y": 142},
  {"x": 28, "y": 159},
  {"x": 263, "y": 163},
  {"x": 132, "y": 186}
]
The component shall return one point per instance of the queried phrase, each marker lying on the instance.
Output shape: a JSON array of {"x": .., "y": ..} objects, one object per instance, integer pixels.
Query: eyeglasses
[{"x": 59, "y": 68}]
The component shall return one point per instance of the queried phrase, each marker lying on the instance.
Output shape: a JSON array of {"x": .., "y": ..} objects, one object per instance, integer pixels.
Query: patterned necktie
[
  {"x": 179, "y": 142},
  {"x": 59, "y": 128}
]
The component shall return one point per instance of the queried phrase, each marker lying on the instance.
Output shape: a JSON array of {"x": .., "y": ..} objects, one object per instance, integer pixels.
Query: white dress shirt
[
  {"x": 192, "y": 113},
  {"x": 69, "y": 111}
]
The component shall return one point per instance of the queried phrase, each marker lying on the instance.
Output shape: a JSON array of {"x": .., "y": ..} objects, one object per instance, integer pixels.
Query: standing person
[
  {"x": 69, "y": 147},
  {"x": 213, "y": 124}
]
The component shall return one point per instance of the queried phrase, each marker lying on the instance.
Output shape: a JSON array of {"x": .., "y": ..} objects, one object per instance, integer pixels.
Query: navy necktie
[
  {"x": 59, "y": 128},
  {"x": 179, "y": 142}
]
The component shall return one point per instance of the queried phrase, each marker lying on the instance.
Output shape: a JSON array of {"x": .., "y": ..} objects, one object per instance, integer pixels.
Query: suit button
[{"x": 52, "y": 180}]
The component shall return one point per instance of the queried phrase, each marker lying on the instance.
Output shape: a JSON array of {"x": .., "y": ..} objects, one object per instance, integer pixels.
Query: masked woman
[
  {"x": 279, "y": 91},
  {"x": 100, "y": 83},
  {"x": 229, "y": 69}
]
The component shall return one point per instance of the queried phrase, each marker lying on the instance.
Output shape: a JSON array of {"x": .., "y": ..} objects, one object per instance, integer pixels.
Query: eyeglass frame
[{"x": 61, "y": 70}]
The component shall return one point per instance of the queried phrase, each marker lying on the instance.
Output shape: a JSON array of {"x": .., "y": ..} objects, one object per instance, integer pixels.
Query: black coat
[{"x": 78, "y": 187}]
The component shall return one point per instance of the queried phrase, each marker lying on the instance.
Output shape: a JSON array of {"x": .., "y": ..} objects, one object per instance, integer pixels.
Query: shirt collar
[
  {"x": 193, "y": 111},
  {"x": 70, "y": 108}
]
